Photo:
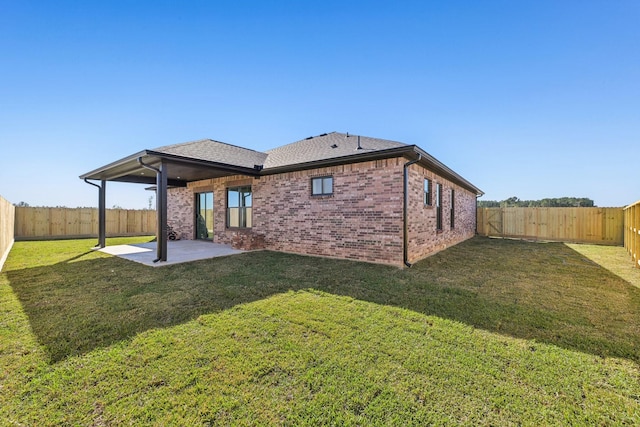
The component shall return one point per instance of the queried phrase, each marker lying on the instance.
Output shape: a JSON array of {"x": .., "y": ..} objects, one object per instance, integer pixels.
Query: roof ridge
[
  {"x": 303, "y": 139},
  {"x": 205, "y": 140},
  {"x": 179, "y": 143},
  {"x": 354, "y": 135}
]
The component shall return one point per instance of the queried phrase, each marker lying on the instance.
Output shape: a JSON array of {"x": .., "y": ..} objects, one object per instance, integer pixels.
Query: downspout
[
  {"x": 102, "y": 235},
  {"x": 159, "y": 229},
  {"x": 476, "y": 212},
  {"x": 406, "y": 209},
  {"x": 144, "y": 165}
]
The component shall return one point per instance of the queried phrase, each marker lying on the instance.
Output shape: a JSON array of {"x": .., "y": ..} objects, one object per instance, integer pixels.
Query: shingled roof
[
  {"x": 215, "y": 151},
  {"x": 324, "y": 147},
  {"x": 206, "y": 158}
]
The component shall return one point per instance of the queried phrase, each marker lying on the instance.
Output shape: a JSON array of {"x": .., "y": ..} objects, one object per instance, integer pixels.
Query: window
[
  {"x": 204, "y": 215},
  {"x": 453, "y": 207},
  {"x": 438, "y": 206},
  {"x": 322, "y": 186},
  {"x": 427, "y": 192},
  {"x": 239, "y": 207}
]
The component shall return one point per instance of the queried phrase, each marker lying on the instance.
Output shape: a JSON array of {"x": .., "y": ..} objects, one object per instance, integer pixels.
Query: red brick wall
[
  {"x": 423, "y": 237},
  {"x": 181, "y": 211},
  {"x": 361, "y": 220}
]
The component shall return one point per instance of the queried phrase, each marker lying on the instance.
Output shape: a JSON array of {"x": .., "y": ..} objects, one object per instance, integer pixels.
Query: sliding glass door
[{"x": 204, "y": 216}]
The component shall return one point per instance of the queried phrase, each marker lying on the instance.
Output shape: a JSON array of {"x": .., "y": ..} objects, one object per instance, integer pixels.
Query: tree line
[
  {"x": 560, "y": 202},
  {"x": 150, "y": 206}
]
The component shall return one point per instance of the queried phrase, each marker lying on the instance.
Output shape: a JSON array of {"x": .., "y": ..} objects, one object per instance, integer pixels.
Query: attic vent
[
  {"x": 324, "y": 134},
  {"x": 309, "y": 137},
  {"x": 334, "y": 146}
]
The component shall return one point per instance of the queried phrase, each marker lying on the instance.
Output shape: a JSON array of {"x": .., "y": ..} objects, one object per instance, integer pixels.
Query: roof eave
[
  {"x": 243, "y": 170},
  {"x": 153, "y": 158},
  {"x": 126, "y": 165},
  {"x": 409, "y": 151},
  {"x": 353, "y": 158},
  {"x": 445, "y": 171},
  {"x": 94, "y": 174}
]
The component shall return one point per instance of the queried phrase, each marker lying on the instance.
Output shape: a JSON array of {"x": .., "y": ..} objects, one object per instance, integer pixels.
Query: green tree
[{"x": 561, "y": 202}]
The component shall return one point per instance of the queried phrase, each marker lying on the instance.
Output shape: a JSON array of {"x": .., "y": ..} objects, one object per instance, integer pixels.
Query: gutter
[
  {"x": 437, "y": 166},
  {"x": 359, "y": 156},
  {"x": 429, "y": 161},
  {"x": 127, "y": 165},
  {"x": 475, "y": 212},
  {"x": 405, "y": 226}
]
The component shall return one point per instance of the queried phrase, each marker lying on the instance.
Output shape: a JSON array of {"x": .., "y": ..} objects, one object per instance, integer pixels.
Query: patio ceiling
[{"x": 180, "y": 170}]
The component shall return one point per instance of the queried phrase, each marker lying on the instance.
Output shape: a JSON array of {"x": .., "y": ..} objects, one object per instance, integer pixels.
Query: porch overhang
[
  {"x": 180, "y": 170},
  {"x": 164, "y": 170}
]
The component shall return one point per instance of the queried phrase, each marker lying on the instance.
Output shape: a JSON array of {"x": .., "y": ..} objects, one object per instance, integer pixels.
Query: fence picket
[
  {"x": 586, "y": 225},
  {"x": 7, "y": 227},
  {"x": 632, "y": 232},
  {"x": 42, "y": 223}
]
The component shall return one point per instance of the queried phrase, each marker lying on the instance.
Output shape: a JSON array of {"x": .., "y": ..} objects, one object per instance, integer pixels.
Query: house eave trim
[
  {"x": 126, "y": 165},
  {"x": 437, "y": 166},
  {"x": 241, "y": 170},
  {"x": 97, "y": 173},
  {"x": 409, "y": 151},
  {"x": 355, "y": 158}
]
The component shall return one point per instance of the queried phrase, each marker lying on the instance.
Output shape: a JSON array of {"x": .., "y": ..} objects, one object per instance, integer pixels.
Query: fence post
[
  {"x": 7, "y": 228},
  {"x": 632, "y": 232}
]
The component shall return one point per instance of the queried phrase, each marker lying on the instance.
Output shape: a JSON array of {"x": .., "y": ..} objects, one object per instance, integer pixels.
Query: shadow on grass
[{"x": 545, "y": 292}]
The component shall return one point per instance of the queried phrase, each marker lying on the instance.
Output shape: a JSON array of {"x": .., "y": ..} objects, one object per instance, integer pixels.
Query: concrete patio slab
[{"x": 178, "y": 251}]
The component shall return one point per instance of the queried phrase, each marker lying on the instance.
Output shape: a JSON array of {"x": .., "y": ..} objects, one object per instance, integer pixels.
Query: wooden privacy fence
[
  {"x": 7, "y": 218},
  {"x": 51, "y": 223},
  {"x": 584, "y": 225},
  {"x": 632, "y": 231}
]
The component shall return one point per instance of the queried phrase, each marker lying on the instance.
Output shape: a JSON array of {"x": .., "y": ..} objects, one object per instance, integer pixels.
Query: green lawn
[{"x": 489, "y": 332}]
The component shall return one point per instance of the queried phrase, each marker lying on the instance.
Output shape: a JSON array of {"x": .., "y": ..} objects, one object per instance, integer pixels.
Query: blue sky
[{"x": 531, "y": 99}]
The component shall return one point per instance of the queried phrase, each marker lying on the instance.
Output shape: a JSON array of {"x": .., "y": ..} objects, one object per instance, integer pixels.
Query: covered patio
[
  {"x": 172, "y": 166},
  {"x": 181, "y": 251}
]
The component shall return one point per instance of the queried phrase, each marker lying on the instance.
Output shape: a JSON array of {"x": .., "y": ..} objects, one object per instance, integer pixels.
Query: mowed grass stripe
[
  {"x": 470, "y": 336},
  {"x": 310, "y": 358}
]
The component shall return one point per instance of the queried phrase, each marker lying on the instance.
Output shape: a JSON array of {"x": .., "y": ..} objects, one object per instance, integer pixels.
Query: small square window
[{"x": 322, "y": 186}]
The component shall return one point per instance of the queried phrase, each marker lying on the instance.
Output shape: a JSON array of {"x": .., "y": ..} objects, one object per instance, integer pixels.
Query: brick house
[{"x": 335, "y": 195}]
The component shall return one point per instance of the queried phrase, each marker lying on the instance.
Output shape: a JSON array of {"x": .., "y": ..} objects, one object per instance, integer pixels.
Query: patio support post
[
  {"x": 161, "y": 208},
  {"x": 102, "y": 191},
  {"x": 102, "y": 215},
  {"x": 161, "y": 200}
]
